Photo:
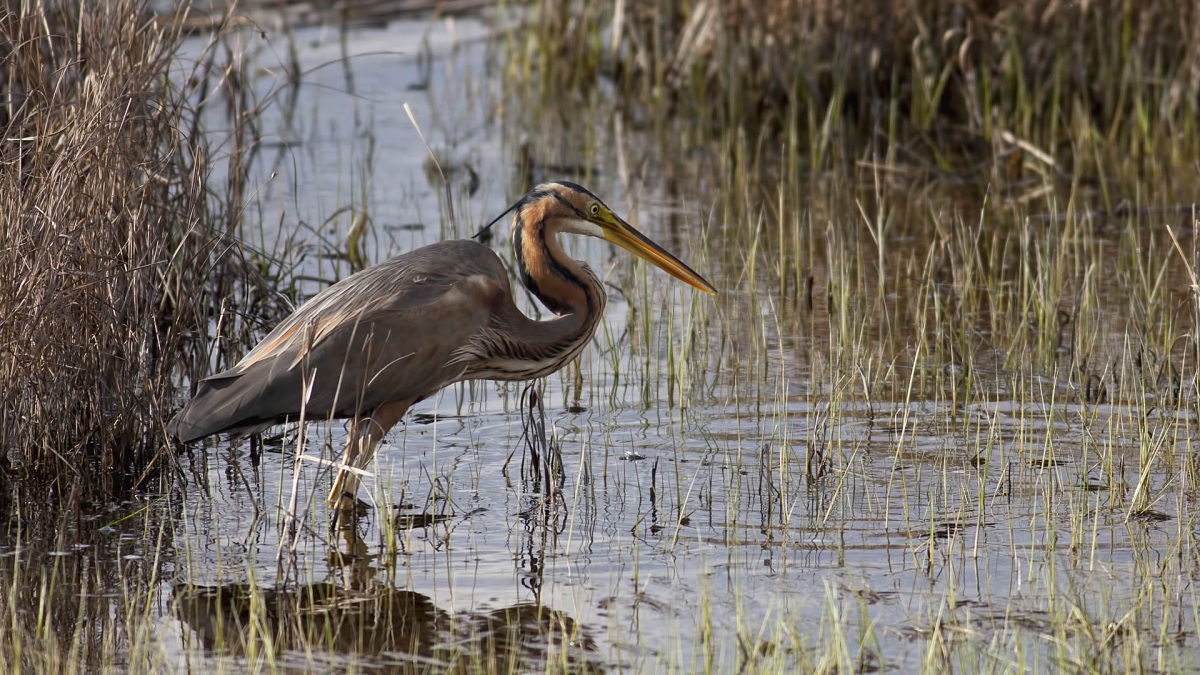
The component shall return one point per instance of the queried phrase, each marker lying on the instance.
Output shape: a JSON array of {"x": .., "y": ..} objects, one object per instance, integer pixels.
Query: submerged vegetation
[{"x": 941, "y": 416}]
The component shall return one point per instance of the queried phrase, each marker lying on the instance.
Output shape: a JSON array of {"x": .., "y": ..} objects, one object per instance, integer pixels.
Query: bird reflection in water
[
  {"x": 380, "y": 629},
  {"x": 359, "y": 620}
]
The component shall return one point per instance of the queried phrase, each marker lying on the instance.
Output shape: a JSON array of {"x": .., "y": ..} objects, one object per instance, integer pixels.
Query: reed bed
[
  {"x": 123, "y": 262},
  {"x": 113, "y": 241},
  {"x": 960, "y": 75}
]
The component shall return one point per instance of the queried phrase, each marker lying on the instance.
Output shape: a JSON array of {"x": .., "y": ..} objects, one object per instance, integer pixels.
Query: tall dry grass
[
  {"x": 110, "y": 237},
  {"x": 958, "y": 71}
]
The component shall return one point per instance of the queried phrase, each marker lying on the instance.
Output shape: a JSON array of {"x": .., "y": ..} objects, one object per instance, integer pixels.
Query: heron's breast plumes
[{"x": 565, "y": 286}]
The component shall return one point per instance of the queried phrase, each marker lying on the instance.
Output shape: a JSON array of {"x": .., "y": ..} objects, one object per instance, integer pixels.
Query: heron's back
[{"x": 387, "y": 334}]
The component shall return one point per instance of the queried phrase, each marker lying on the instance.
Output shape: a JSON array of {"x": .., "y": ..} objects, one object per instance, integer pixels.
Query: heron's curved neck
[
  {"x": 564, "y": 286},
  {"x": 523, "y": 348},
  {"x": 517, "y": 347}
]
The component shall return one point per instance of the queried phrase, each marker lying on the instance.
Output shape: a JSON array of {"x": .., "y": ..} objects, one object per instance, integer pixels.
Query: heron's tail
[{"x": 239, "y": 403}]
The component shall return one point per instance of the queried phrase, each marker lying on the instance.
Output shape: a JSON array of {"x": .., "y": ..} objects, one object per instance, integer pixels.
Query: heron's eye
[{"x": 594, "y": 210}]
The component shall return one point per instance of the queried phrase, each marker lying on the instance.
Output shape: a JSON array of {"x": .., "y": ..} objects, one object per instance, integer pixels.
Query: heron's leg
[
  {"x": 365, "y": 434},
  {"x": 345, "y": 484}
]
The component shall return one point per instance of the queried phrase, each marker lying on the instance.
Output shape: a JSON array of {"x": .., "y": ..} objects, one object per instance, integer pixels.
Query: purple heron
[{"x": 373, "y": 344}]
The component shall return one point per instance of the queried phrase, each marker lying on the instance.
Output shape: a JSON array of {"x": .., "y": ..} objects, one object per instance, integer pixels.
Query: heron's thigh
[{"x": 383, "y": 419}]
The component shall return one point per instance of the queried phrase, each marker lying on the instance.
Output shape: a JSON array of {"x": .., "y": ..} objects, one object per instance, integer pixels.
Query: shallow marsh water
[{"x": 747, "y": 483}]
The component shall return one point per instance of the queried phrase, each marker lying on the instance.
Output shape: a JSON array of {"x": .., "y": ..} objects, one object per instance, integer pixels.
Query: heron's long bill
[{"x": 623, "y": 235}]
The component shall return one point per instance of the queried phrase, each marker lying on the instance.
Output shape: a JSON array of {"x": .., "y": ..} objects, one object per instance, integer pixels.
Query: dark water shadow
[{"x": 380, "y": 629}]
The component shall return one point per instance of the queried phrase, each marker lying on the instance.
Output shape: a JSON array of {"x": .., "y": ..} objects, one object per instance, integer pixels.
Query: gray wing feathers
[{"x": 389, "y": 333}]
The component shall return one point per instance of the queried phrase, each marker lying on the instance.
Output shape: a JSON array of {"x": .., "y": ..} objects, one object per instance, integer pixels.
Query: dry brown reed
[
  {"x": 1031, "y": 65},
  {"x": 109, "y": 235}
]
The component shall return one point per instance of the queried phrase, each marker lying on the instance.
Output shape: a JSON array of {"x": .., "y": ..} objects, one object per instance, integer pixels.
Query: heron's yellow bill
[{"x": 622, "y": 234}]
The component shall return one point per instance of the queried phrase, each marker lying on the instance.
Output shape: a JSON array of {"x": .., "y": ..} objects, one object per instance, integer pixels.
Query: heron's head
[{"x": 568, "y": 207}]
